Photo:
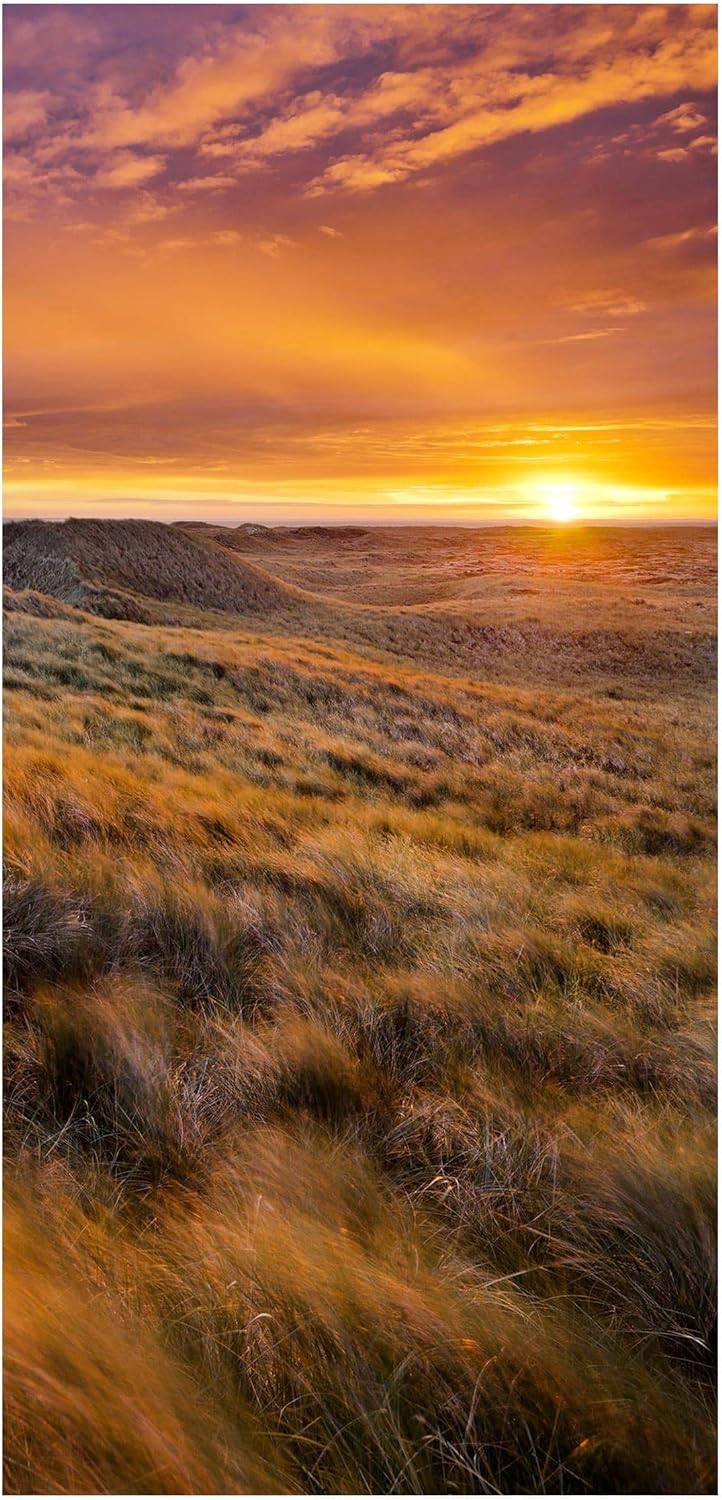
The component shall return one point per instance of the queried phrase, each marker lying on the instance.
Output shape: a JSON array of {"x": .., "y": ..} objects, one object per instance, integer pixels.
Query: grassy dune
[{"x": 360, "y": 1063}]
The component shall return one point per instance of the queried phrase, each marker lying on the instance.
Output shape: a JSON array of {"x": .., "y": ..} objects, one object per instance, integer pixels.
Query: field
[{"x": 359, "y": 988}]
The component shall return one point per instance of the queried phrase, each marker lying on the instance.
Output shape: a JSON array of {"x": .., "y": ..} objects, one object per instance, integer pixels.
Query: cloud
[
  {"x": 24, "y": 111},
  {"x": 609, "y": 303},
  {"x": 147, "y": 208},
  {"x": 657, "y": 139},
  {"x": 355, "y": 173},
  {"x": 274, "y": 244},
  {"x": 125, "y": 170},
  {"x": 210, "y": 184},
  {"x": 697, "y": 234},
  {"x": 491, "y": 99},
  {"x": 239, "y": 66},
  {"x": 587, "y": 336},
  {"x": 329, "y": 231},
  {"x": 673, "y": 154},
  {"x": 682, "y": 120},
  {"x": 305, "y": 123},
  {"x": 227, "y": 237},
  {"x": 173, "y": 246},
  {"x": 31, "y": 187}
]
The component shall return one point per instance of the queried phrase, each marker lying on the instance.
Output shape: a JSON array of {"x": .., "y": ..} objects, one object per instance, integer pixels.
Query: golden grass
[{"x": 360, "y": 1072}]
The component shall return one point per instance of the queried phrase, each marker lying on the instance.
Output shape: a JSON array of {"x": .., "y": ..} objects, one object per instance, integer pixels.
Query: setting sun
[
  {"x": 559, "y": 500},
  {"x": 561, "y": 508}
]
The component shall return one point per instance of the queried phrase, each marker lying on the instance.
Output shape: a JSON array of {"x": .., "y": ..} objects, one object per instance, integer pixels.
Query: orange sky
[{"x": 338, "y": 262}]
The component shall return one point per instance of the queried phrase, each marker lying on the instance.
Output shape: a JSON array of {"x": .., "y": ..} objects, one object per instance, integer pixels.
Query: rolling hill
[
  {"x": 634, "y": 606},
  {"x": 123, "y": 568}
]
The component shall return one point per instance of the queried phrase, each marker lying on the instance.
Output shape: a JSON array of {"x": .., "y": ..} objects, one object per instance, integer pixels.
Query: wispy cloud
[
  {"x": 672, "y": 154},
  {"x": 695, "y": 235},
  {"x": 682, "y": 120},
  {"x": 609, "y": 303},
  {"x": 274, "y": 244},
  {"x": 24, "y": 112},
  {"x": 586, "y": 336},
  {"x": 126, "y": 170},
  {"x": 209, "y": 184}
]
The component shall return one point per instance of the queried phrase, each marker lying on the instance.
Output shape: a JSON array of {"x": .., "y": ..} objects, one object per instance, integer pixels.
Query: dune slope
[{"x": 96, "y": 563}]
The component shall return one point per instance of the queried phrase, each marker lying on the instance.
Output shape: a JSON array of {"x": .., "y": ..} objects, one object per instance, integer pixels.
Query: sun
[
  {"x": 559, "y": 500},
  {"x": 561, "y": 508}
]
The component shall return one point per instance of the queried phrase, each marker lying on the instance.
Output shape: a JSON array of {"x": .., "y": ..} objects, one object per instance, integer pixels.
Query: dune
[{"x": 117, "y": 567}]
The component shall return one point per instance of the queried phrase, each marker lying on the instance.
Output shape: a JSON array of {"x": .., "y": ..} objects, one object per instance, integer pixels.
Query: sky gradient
[{"x": 412, "y": 263}]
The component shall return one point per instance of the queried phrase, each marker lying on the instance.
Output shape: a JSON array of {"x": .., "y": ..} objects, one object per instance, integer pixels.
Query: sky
[{"x": 417, "y": 263}]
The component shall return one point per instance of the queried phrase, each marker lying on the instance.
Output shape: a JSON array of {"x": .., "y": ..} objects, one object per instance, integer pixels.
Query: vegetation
[{"x": 360, "y": 1061}]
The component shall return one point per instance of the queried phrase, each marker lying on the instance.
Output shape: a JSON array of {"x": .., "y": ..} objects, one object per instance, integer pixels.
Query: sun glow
[{"x": 559, "y": 499}]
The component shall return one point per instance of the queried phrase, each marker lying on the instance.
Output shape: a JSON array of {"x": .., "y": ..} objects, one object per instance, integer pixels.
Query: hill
[{"x": 125, "y": 569}]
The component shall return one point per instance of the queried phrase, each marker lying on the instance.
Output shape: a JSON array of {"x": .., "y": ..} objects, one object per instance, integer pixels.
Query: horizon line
[{"x": 579, "y": 524}]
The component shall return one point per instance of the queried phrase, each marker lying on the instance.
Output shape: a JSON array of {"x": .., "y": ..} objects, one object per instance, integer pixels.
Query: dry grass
[
  {"x": 623, "y": 611},
  {"x": 360, "y": 1069}
]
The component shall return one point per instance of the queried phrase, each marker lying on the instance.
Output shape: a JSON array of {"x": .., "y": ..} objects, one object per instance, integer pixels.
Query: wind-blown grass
[{"x": 359, "y": 1073}]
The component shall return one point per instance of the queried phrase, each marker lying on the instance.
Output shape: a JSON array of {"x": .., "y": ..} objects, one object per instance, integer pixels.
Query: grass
[{"x": 360, "y": 1070}]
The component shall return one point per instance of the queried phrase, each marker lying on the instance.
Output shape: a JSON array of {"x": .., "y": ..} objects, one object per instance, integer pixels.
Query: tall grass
[{"x": 360, "y": 1074}]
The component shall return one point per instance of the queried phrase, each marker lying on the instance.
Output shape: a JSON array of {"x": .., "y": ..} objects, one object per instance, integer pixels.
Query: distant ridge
[
  {"x": 235, "y": 537},
  {"x": 247, "y": 528}
]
